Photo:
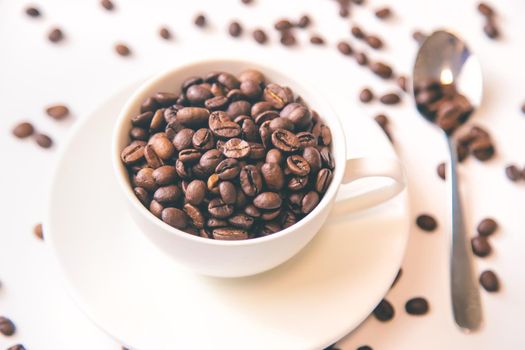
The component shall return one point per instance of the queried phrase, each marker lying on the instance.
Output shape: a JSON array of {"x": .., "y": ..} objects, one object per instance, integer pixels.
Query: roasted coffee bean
[
  {"x": 257, "y": 151},
  {"x": 309, "y": 202},
  {"x": 167, "y": 194},
  {"x": 23, "y": 130},
  {"x": 165, "y": 175},
  {"x": 229, "y": 234},
  {"x": 162, "y": 146},
  {"x": 156, "y": 208},
  {"x": 481, "y": 246},
  {"x": 214, "y": 223},
  {"x": 43, "y": 140},
  {"x": 17, "y": 347},
  {"x": 324, "y": 178},
  {"x": 221, "y": 125},
  {"x": 133, "y": 153},
  {"x": 482, "y": 148},
  {"x": 288, "y": 219},
  {"x": 137, "y": 133},
  {"x": 251, "y": 180},
  {"x": 306, "y": 139},
  {"x": 317, "y": 40},
  {"x": 366, "y": 95},
  {"x": 107, "y": 4},
  {"x": 197, "y": 94},
  {"x": 441, "y": 171},
  {"x": 299, "y": 114},
  {"x": 165, "y": 33},
  {"x": 487, "y": 227},
  {"x": 384, "y": 311},
  {"x": 175, "y": 218},
  {"x": 57, "y": 111},
  {"x": 200, "y": 21},
  {"x": 260, "y": 107},
  {"x": 149, "y": 105},
  {"x": 252, "y": 211},
  {"x": 402, "y": 83},
  {"x": 228, "y": 80},
  {"x": 383, "y": 13},
  {"x": 183, "y": 139},
  {"x": 361, "y": 58},
  {"x": 281, "y": 123},
  {"x": 241, "y": 200},
  {"x": 283, "y": 24},
  {"x": 251, "y": 89},
  {"x": 327, "y": 158},
  {"x": 489, "y": 281},
  {"x": 213, "y": 183},
  {"x": 216, "y": 103},
  {"x": 249, "y": 130},
  {"x": 266, "y": 116},
  {"x": 7, "y": 327},
  {"x": 304, "y": 21},
  {"x": 202, "y": 139},
  {"x": 382, "y": 70},
  {"x": 210, "y": 159},
  {"x": 313, "y": 157},
  {"x": 153, "y": 160},
  {"x": 195, "y": 215},
  {"x": 426, "y": 222},
  {"x": 288, "y": 38},
  {"x": 382, "y": 120},
  {"x": 363, "y": 347},
  {"x": 485, "y": 9},
  {"x": 269, "y": 228},
  {"x": 491, "y": 30},
  {"x": 252, "y": 75},
  {"x": 242, "y": 221},
  {"x": 274, "y": 156},
  {"x": 417, "y": 306},
  {"x": 273, "y": 176},
  {"x": 297, "y": 183},
  {"x": 295, "y": 201},
  {"x": 189, "y": 155},
  {"x": 122, "y": 49},
  {"x": 238, "y": 108},
  {"x": 157, "y": 122},
  {"x": 277, "y": 95},
  {"x": 285, "y": 140},
  {"x": 32, "y": 11},
  {"x": 374, "y": 42},
  {"x": 183, "y": 171},
  {"x": 55, "y": 35},
  {"x": 235, "y": 29},
  {"x": 142, "y": 120},
  {"x": 193, "y": 117},
  {"x": 513, "y": 173},
  {"x": 268, "y": 215},
  {"x": 344, "y": 48},
  {"x": 219, "y": 209},
  {"x": 142, "y": 195},
  {"x": 390, "y": 99},
  {"x": 38, "y": 232},
  {"x": 228, "y": 169},
  {"x": 195, "y": 192},
  {"x": 260, "y": 36},
  {"x": 228, "y": 192},
  {"x": 298, "y": 165},
  {"x": 194, "y": 80},
  {"x": 325, "y": 136},
  {"x": 344, "y": 12}
]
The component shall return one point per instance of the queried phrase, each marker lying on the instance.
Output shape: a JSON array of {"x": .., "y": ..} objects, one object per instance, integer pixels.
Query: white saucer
[{"x": 146, "y": 301}]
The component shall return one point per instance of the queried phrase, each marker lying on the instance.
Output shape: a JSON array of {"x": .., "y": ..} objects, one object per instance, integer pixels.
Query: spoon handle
[{"x": 466, "y": 303}]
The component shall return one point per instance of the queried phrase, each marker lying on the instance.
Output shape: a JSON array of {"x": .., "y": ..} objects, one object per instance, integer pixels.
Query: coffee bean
[
  {"x": 344, "y": 12},
  {"x": 195, "y": 215},
  {"x": 142, "y": 195},
  {"x": 228, "y": 80},
  {"x": 426, "y": 222},
  {"x": 267, "y": 201},
  {"x": 383, "y": 13},
  {"x": 165, "y": 33},
  {"x": 357, "y": 32},
  {"x": 165, "y": 175},
  {"x": 366, "y": 95},
  {"x": 513, "y": 173},
  {"x": 122, "y": 49},
  {"x": 482, "y": 148},
  {"x": 324, "y": 178},
  {"x": 219, "y": 209},
  {"x": 273, "y": 176},
  {"x": 361, "y": 58},
  {"x": 344, "y": 48},
  {"x": 288, "y": 38},
  {"x": 229, "y": 234},
  {"x": 402, "y": 82},
  {"x": 210, "y": 159},
  {"x": 242, "y": 221},
  {"x": 202, "y": 139},
  {"x": 251, "y": 89},
  {"x": 441, "y": 171},
  {"x": 107, "y": 4},
  {"x": 238, "y": 108},
  {"x": 285, "y": 140},
  {"x": 17, "y": 347},
  {"x": 260, "y": 36},
  {"x": 221, "y": 125},
  {"x": 23, "y": 130},
  {"x": 153, "y": 160},
  {"x": 374, "y": 42},
  {"x": 38, "y": 231},
  {"x": 304, "y": 21},
  {"x": 277, "y": 95},
  {"x": 138, "y": 134},
  {"x": 7, "y": 327},
  {"x": 200, "y": 21},
  {"x": 297, "y": 183},
  {"x": 251, "y": 180},
  {"x": 167, "y": 195},
  {"x": 32, "y": 11},
  {"x": 299, "y": 114},
  {"x": 195, "y": 192},
  {"x": 228, "y": 169},
  {"x": 235, "y": 29},
  {"x": 55, "y": 35},
  {"x": 309, "y": 202},
  {"x": 183, "y": 139},
  {"x": 489, "y": 281},
  {"x": 57, "y": 111},
  {"x": 162, "y": 146},
  {"x": 487, "y": 227},
  {"x": 175, "y": 218},
  {"x": 382, "y": 70},
  {"x": 384, "y": 311},
  {"x": 390, "y": 99},
  {"x": 228, "y": 192},
  {"x": 382, "y": 120},
  {"x": 274, "y": 156},
  {"x": 327, "y": 158},
  {"x": 317, "y": 40},
  {"x": 197, "y": 94},
  {"x": 491, "y": 30},
  {"x": 306, "y": 139},
  {"x": 156, "y": 208},
  {"x": 485, "y": 9},
  {"x": 43, "y": 140},
  {"x": 416, "y": 306},
  {"x": 298, "y": 165},
  {"x": 214, "y": 223},
  {"x": 481, "y": 246}
]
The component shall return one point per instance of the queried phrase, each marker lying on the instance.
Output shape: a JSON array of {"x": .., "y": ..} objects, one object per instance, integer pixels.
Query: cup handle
[{"x": 360, "y": 168}]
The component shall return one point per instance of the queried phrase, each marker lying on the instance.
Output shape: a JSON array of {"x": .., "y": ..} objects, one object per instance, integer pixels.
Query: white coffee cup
[{"x": 247, "y": 257}]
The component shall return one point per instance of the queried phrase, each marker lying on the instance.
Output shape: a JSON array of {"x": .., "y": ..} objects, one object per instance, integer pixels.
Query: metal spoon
[{"x": 446, "y": 58}]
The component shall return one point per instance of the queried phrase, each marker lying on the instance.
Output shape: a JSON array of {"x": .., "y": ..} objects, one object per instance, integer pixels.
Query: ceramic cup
[{"x": 248, "y": 257}]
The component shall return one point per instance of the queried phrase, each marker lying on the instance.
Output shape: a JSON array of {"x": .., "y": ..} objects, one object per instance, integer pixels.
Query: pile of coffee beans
[
  {"x": 229, "y": 157},
  {"x": 490, "y": 27},
  {"x": 442, "y": 104}
]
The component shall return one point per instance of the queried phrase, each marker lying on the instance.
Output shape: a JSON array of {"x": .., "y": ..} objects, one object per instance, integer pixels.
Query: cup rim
[{"x": 123, "y": 122}]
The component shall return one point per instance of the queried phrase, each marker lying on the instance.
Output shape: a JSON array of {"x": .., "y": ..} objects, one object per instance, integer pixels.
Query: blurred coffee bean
[
  {"x": 441, "y": 171},
  {"x": 513, "y": 173},
  {"x": 23, "y": 130},
  {"x": 55, "y": 35},
  {"x": 489, "y": 281},
  {"x": 32, "y": 11},
  {"x": 107, "y": 4},
  {"x": 43, "y": 140},
  {"x": 485, "y": 9},
  {"x": 357, "y": 32},
  {"x": 366, "y": 95},
  {"x": 382, "y": 70},
  {"x": 304, "y": 21},
  {"x": 487, "y": 227},
  {"x": 122, "y": 49},
  {"x": 344, "y": 48},
  {"x": 57, "y": 111},
  {"x": 200, "y": 20},
  {"x": 165, "y": 33},
  {"x": 383, "y": 13},
  {"x": 417, "y": 306},
  {"x": 260, "y": 36},
  {"x": 384, "y": 311},
  {"x": 317, "y": 40},
  {"x": 361, "y": 58},
  {"x": 491, "y": 30},
  {"x": 481, "y": 246},
  {"x": 426, "y": 222},
  {"x": 374, "y": 41},
  {"x": 38, "y": 231},
  {"x": 7, "y": 327},
  {"x": 235, "y": 29},
  {"x": 390, "y": 99}
]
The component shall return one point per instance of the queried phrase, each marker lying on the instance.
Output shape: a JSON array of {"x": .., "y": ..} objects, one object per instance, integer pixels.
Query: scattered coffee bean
[
  {"x": 235, "y": 29},
  {"x": 383, "y": 13},
  {"x": 513, "y": 173},
  {"x": 7, "y": 327},
  {"x": 304, "y": 21},
  {"x": 366, "y": 95},
  {"x": 357, "y": 32},
  {"x": 485, "y": 9},
  {"x": 200, "y": 21},
  {"x": 417, "y": 306},
  {"x": 43, "y": 140},
  {"x": 107, "y": 4},
  {"x": 165, "y": 33},
  {"x": 32, "y": 11},
  {"x": 38, "y": 232},
  {"x": 57, "y": 111},
  {"x": 481, "y": 246},
  {"x": 122, "y": 49},
  {"x": 441, "y": 171},
  {"x": 283, "y": 24},
  {"x": 487, "y": 227},
  {"x": 390, "y": 99},
  {"x": 316, "y": 40},
  {"x": 489, "y": 281},
  {"x": 288, "y": 38},
  {"x": 374, "y": 41},
  {"x": 361, "y": 58},
  {"x": 402, "y": 83},
  {"x": 344, "y": 48},
  {"x": 344, "y": 12},
  {"x": 382, "y": 70},
  {"x": 55, "y": 35},
  {"x": 491, "y": 30},
  {"x": 17, "y": 347},
  {"x": 384, "y": 311},
  {"x": 260, "y": 36},
  {"x": 426, "y": 222},
  {"x": 23, "y": 130}
]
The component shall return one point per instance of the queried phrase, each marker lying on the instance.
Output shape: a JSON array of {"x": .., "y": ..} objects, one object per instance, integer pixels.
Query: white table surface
[{"x": 83, "y": 70}]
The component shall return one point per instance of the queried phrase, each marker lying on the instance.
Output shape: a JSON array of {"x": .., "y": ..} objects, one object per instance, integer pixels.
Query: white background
[{"x": 84, "y": 70}]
